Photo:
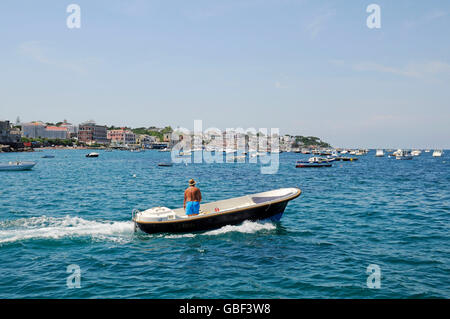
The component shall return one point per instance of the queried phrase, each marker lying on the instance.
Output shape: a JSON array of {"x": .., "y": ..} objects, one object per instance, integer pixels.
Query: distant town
[{"x": 36, "y": 134}]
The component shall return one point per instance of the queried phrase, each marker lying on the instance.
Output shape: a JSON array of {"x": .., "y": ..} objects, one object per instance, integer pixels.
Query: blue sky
[{"x": 306, "y": 67}]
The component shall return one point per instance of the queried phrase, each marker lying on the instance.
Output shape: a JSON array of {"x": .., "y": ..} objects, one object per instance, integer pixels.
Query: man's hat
[{"x": 191, "y": 182}]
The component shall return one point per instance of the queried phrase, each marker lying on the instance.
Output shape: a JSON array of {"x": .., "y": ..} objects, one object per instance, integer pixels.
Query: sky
[{"x": 305, "y": 67}]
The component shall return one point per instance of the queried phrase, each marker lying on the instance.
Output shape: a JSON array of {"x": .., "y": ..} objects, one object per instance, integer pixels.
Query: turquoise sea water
[{"x": 77, "y": 210}]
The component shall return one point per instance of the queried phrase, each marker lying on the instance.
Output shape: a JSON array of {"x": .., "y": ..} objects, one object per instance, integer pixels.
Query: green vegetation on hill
[
  {"x": 153, "y": 131},
  {"x": 308, "y": 141}
]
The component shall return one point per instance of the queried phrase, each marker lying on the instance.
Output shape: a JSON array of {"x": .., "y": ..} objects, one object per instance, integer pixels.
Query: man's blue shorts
[{"x": 192, "y": 208}]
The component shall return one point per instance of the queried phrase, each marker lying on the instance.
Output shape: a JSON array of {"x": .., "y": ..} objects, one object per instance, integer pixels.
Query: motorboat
[
  {"x": 437, "y": 153},
  {"x": 189, "y": 153},
  {"x": 314, "y": 162},
  {"x": 403, "y": 155},
  {"x": 17, "y": 166},
  {"x": 379, "y": 153},
  {"x": 258, "y": 154},
  {"x": 312, "y": 165},
  {"x": 416, "y": 152},
  {"x": 268, "y": 205},
  {"x": 48, "y": 156},
  {"x": 305, "y": 151},
  {"x": 165, "y": 150},
  {"x": 165, "y": 164},
  {"x": 93, "y": 154},
  {"x": 236, "y": 158}
]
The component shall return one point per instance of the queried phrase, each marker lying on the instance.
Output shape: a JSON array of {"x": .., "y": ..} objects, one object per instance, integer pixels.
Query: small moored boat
[
  {"x": 17, "y": 166},
  {"x": 314, "y": 162},
  {"x": 379, "y": 153},
  {"x": 403, "y": 155},
  {"x": 93, "y": 154},
  {"x": 165, "y": 164},
  {"x": 437, "y": 153},
  {"x": 188, "y": 153},
  {"x": 213, "y": 215}
]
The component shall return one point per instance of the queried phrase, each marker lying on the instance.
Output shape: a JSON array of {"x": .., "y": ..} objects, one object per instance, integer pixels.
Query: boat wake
[
  {"x": 44, "y": 227},
  {"x": 54, "y": 228},
  {"x": 247, "y": 227}
]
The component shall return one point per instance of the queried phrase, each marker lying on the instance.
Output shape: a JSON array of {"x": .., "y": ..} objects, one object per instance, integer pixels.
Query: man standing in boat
[{"x": 192, "y": 199}]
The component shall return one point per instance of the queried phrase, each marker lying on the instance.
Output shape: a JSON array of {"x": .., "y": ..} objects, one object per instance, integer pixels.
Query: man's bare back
[
  {"x": 192, "y": 194},
  {"x": 192, "y": 199}
]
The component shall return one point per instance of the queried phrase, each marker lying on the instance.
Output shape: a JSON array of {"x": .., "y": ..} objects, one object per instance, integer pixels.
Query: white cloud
[
  {"x": 425, "y": 19},
  {"x": 412, "y": 70},
  {"x": 370, "y": 66},
  {"x": 279, "y": 85},
  {"x": 318, "y": 23},
  {"x": 35, "y": 51},
  {"x": 417, "y": 70}
]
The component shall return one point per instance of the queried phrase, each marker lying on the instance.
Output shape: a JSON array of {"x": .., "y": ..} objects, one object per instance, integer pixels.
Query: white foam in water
[
  {"x": 54, "y": 228},
  {"x": 73, "y": 227},
  {"x": 246, "y": 227}
]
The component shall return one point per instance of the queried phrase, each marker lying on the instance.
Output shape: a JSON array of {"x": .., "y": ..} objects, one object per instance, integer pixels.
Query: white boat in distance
[
  {"x": 188, "y": 153},
  {"x": 93, "y": 154},
  {"x": 438, "y": 153},
  {"x": 258, "y": 154},
  {"x": 379, "y": 153},
  {"x": 416, "y": 152},
  {"x": 403, "y": 155},
  {"x": 17, "y": 166}
]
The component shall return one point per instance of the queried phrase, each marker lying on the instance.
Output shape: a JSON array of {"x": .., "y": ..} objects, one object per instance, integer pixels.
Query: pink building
[{"x": 121, "y": 136}]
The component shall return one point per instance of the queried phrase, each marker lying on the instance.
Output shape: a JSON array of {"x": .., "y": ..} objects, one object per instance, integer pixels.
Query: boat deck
[{"x": 222, "y": 206}]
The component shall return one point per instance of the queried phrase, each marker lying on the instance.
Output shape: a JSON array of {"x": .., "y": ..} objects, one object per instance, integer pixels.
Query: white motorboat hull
[
  {"x": 17, "y": 166},
  {"x": 261, "y": 206}
]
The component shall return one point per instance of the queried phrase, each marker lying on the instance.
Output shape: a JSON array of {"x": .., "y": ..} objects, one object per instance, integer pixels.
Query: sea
[{"x": 373, "y": 228}]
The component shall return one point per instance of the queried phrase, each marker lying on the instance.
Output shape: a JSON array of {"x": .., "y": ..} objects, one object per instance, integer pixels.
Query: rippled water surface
[{"x": 76, "y": 210}]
